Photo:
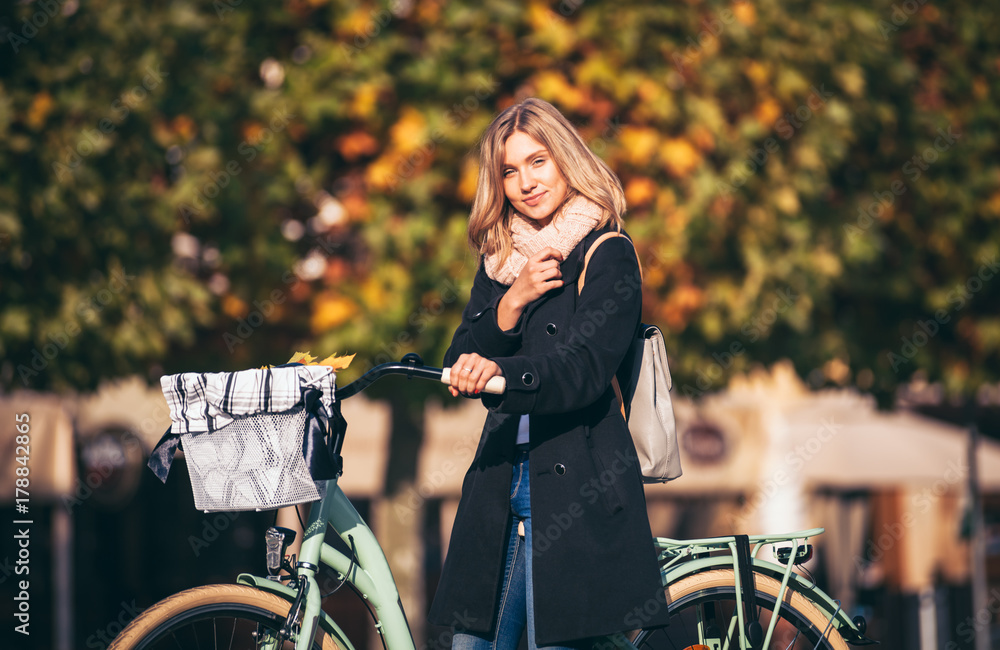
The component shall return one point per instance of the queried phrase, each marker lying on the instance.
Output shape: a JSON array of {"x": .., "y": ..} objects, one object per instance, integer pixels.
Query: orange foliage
[
  {"x": 767, "y": 112},
  {"x": 233, "y": 306},
  {"x": 640, "y": 191},
  {"x": 679, "y": 157},
  {"x": 356, "y": 144},
  {"x": 680, "y": 306},
  {"x": 40, "y": 108},
  {"x": 331, "y": 310}
]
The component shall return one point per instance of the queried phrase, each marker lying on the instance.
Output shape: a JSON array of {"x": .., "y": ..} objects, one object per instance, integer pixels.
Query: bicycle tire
[
  {"x": 192, "y": 609},
  {"x": 718, "y": 586}
]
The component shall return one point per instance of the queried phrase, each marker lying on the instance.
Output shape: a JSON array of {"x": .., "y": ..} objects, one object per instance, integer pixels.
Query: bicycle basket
[
  {"x": 244, "y": 436},
  {"x": 253, "y": 463}
]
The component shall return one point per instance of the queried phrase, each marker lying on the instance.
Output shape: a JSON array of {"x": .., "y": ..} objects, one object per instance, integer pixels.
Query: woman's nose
[{"x": 527, "y": 182}]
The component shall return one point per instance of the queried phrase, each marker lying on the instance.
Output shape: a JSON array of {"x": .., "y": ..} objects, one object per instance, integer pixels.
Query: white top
[{"x": 522, "y": 430}]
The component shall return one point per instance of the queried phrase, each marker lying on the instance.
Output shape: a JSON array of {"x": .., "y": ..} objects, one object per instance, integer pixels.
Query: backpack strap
[
  {"x": 579, "y": 290},
  {"x": 590, "y": 252}
]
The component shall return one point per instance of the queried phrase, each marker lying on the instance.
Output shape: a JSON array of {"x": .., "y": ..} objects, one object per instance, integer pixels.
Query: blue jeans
[{"x": 516, "y": 607}]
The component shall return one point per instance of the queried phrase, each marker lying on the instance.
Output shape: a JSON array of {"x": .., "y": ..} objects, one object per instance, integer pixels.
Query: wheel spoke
[{"x": 794, "y": 639}]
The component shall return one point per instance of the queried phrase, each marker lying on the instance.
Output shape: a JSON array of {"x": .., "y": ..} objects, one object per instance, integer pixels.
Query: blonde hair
[{"x": 585, "y": 173}]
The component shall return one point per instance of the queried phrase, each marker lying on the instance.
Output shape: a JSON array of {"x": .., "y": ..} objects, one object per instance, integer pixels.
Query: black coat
[{"x": 595, "y": 569}]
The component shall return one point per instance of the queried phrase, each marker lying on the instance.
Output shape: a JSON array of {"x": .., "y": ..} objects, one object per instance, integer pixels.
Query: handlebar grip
[{"x": 496, "y": 385}]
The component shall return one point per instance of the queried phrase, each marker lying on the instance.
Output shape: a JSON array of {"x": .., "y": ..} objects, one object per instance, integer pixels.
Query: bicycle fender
[
  {"x": 278, "y": 589},
  {"x": 814, "y": 594}
]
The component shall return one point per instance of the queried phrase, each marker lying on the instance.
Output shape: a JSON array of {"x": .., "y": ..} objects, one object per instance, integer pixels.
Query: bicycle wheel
[
  {"x": 702, "y": 605},
  {"x": 214, "y": 616}
]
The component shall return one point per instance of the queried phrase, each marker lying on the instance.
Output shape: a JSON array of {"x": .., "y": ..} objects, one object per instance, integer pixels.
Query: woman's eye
[
  {"x": 539, "y": 160},
  {"x": 507, "y": 172}
]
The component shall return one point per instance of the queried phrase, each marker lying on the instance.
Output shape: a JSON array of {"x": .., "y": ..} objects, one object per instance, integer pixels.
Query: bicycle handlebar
[{"x": 411, "y": 366}]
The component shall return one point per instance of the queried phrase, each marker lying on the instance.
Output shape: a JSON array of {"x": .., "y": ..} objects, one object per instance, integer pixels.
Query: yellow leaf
[
  {"x": 679, "y": 157},
  {"x": 302, "y": 357},
  {"x": 745, "y": 12},
  {"x": 364, "y": 102},
  {"x": 767, "y": 112},
  {"x": 639, "y": 191},
  {"x": 383, "y": 172},
  {"x": 552, "y": 30},
  {"x": 337, "y": 363},
  {"x": 331, "y": 310},
  {"x": 408, "y": 134},
  {"x": 552, "y": 86},
  {"x": 469, "y": 180},
  {"x": 41, "y": 105},
  {"x": 639, "y": 144}
]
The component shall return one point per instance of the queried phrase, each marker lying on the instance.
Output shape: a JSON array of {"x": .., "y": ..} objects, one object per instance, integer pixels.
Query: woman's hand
[
  {"x": 541, "y": 274},
  {"x": 470, "y": 372}
]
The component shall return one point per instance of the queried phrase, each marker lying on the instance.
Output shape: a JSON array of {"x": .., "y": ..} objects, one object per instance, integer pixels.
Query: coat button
[
  {"x": 528, "y": 378},
  {"x": 551, "y": 329},
  {"x": 560, "y": 469}
]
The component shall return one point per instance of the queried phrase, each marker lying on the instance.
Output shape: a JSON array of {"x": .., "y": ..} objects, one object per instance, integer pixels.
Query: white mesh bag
[
  {"x": 242, "y": 435},
  {"x": 253, "y": 463}
]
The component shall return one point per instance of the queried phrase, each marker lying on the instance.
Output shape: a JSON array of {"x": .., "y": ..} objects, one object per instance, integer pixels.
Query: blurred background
[{"x": 814, "y": 191}]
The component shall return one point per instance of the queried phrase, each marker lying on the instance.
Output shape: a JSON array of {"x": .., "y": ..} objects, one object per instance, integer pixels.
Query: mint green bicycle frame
[{"x": 369, "y": 573}]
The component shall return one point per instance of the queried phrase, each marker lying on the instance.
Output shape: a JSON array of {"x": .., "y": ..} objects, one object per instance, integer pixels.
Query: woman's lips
[{"x": 533, "y": 200}]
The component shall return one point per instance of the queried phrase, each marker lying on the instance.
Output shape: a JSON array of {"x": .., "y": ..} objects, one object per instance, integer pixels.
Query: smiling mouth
[{"x": 533, "y": 200}]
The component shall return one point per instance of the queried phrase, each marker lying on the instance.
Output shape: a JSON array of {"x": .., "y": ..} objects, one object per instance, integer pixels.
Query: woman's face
[{"x": 532, "y": 182}]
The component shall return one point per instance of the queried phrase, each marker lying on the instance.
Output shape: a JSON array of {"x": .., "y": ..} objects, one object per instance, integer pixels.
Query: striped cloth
[{"x": 202, "y": 402}]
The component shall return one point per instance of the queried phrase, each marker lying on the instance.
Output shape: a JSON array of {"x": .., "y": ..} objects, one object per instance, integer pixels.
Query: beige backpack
[{"x": 646, "y": 406}]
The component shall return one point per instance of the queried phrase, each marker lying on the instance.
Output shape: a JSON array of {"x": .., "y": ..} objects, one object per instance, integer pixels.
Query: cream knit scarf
[{"x": 569, "y": 225}]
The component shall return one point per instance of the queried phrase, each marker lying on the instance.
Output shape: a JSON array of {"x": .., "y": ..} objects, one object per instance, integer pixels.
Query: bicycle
[{"x": 704, "y": 586}]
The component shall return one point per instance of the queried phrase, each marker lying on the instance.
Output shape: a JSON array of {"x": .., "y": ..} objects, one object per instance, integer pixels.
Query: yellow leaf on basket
[
  {"x": 302, "y": 357},
  {"x": 337, "y": 363}
]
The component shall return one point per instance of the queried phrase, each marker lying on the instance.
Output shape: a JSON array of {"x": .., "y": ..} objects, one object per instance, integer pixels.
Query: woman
[{"x": 560, "y": 546}]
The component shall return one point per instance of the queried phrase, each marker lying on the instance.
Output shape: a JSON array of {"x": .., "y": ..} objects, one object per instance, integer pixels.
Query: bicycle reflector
[
  {"x": 804, "y": 554},
  {"x": 276, "y": 539}
]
